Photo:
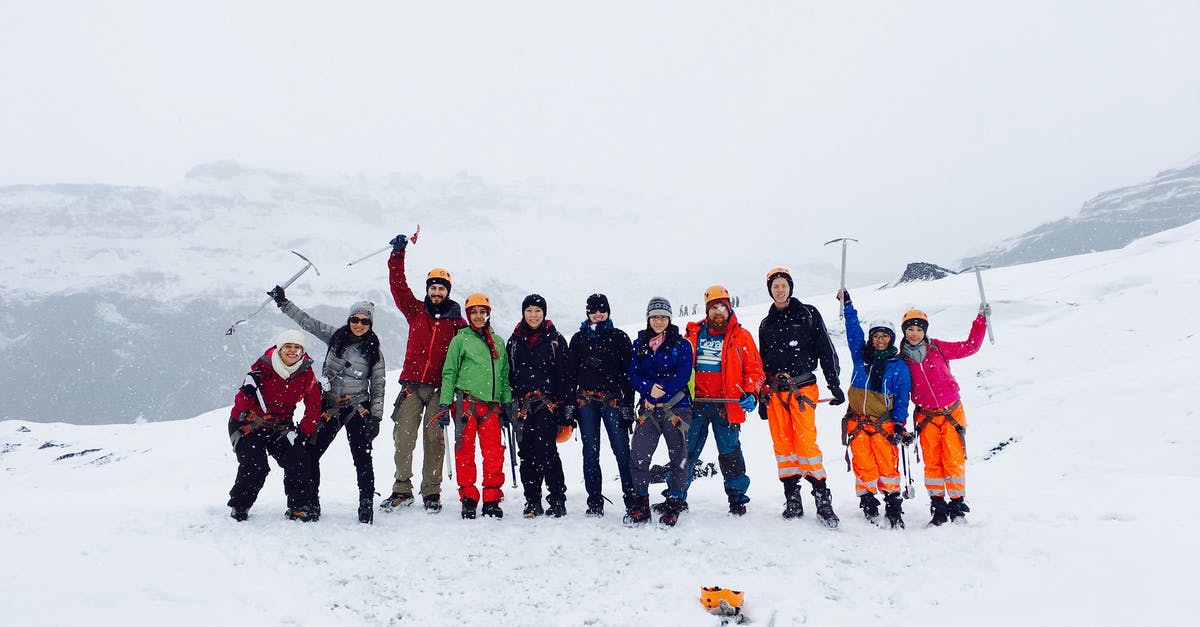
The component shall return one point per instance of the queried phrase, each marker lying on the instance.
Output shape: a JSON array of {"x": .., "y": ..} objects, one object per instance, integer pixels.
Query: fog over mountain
[
  {"x": 1108, "y": 221},
  {"x": 116, "y": 298}
]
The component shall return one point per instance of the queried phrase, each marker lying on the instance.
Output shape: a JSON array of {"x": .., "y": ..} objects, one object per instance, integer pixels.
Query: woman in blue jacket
[
  {"x": 876, "y": 410},
  {"x": 659, "y": 372}
]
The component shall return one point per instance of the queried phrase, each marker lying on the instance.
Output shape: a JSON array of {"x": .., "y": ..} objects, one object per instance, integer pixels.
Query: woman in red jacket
[{"x": 261, "y": 424}]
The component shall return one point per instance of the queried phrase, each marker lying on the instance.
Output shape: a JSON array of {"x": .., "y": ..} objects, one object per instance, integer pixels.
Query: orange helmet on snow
[{"x": 711, "y": 597}]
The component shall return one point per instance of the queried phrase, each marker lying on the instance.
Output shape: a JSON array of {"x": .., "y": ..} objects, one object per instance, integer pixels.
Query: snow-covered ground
[{"x": 1085, "y": 517}]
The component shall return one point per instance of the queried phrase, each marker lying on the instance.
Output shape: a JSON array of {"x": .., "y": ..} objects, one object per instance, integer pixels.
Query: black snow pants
[
  {"x": 360, "y": 450},
  {"x": 252, "y": 450},
  {"x": 538, "y": 450}
]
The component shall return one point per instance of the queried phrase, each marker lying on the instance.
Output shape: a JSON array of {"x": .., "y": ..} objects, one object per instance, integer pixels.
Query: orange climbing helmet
[
  {"x": 711, "y": 597},
  {"x": 775, "y": 273},
  {"x": 915, "y": 317},
  {"x": 438, "y": 275},
  {"x": 478, "y": 299},
  {"x": 715, "y": 292}
]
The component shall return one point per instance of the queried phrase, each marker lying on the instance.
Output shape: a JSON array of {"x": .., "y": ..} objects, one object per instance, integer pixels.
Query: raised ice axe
[
  {"x": 982, "y": 296},
  {"x": 307, "y": 264},
  {"x": 412, "y": 240},
  {"x": 843, "y": 240}
]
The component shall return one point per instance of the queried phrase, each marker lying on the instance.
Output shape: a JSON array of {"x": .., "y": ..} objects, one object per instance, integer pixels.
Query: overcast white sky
[{"x": 979, "y": 119}]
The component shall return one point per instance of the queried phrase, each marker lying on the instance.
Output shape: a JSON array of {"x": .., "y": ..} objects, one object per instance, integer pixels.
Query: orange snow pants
[
  {"x": 794, "y": 433},
  {"x": 483, "y": 419},
  {"x": 874, "y": 458},
  {"x": 944, "y": 450}
]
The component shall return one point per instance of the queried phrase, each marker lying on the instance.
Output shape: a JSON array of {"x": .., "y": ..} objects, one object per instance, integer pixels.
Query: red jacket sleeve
[
  {"x": 752, "y": 368},
  {"x": 958, "y": 350},
  {"x": 243, "y": 403},
  {"x": 312, "y": 405},
  {"x": 406, "y": 301}
]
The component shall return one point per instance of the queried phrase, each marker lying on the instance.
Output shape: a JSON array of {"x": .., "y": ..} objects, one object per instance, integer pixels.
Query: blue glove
[
  {"x": 444, "y": 415},
  {"x": 747, "y": 402},
  {"x": 399, "y": 242}
]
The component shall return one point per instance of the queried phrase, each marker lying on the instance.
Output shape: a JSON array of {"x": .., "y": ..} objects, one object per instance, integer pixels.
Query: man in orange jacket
[{"x": 728, "y": 374}]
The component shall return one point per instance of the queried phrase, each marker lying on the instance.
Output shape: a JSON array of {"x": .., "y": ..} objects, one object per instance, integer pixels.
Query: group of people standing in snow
[{"x": 462, "y": 382}]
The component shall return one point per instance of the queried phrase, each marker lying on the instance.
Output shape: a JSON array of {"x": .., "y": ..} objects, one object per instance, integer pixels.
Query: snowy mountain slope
[
  {"x": 112, "y": 287},
  {"x": 1108, "y": 221},
  {"x": 1082, "y": 517}
]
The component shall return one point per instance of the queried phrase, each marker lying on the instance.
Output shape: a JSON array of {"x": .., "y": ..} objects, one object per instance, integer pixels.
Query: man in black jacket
[
  {"x": 598, "y": 376},
  {"x": 792, "y": 339},
  {"x": 537, "y": 357}
]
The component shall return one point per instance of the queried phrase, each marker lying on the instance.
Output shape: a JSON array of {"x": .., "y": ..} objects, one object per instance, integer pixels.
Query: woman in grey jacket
[{"x": 354, "y": 375}]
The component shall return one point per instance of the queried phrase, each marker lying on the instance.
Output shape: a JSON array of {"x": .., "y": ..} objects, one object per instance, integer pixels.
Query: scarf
[
  {"x": 876, "y": 365},
  {"x": 917, "y": 352},
  {"x": 448, "y": 309},
  {"x": 285, "y": 371},
  {"x": 595, "y": 330}
]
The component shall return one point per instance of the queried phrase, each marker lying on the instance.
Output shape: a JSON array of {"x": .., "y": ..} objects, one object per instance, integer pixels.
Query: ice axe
[
  {"x": 307, "y": 264},
  {"x": 412, "y": 239},
  {"x": 909, "y": 490},
  {"x": 843, "y": 240},
  {"x": 982, "y": 297}
]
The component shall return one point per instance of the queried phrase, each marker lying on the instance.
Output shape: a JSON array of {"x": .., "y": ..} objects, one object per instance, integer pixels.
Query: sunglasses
[{"x": 357, "y": 320}]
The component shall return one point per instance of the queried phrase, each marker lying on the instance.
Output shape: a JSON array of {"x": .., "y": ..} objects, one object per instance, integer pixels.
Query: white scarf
[{"x": 285, "y": 371}]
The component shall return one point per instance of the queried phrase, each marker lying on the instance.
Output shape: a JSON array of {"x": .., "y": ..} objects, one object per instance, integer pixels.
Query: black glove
[
  {"x": 627, "y": 418},
  {"x": 508, "y": 414},
  {"x": 839, "y": 397},
  {"x": 372, "y": 423},
  {"x": 845, "y": 297},
  {"x": 896, "y": 436},
  {"x": 277, "y": 294},
  {"x": 567, "y": 418},
  {"x": 907, "y": 438},
  {"x": 762, "y": 411},
  {"x": 443, "y": 415},
  {"x": 399, "y": 243}
]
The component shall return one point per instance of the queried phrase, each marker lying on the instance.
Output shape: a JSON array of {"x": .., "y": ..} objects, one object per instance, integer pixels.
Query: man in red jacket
[{"x": 432, "y": 323}]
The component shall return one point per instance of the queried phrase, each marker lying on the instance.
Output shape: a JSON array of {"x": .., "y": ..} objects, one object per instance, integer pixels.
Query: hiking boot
[
  {"x": 793, "y": 508},
  {"x": 366, "y": 511},
  {"x": 240, "y": 514},
  {"x": 671, "y": 510},
  {"x": 659, "y": 508},
  {"x": 825, "y": 506},
  {"x": 869, "y": 505},
  {"x": 303, "y": 514},
  {"x": 938, "y": 511},
  {"x": 533, "y": 509},
  {"x": 957, "y": 510},
  {"x": 558, "y": 507},
  {"x": 468, "y": 511},
  {"x": 737, "y": 509},
  {"x": 595, "y": 509},
  {"x": 639, "y": 513},
  {"x": 893, "y": 510},
  {"x": 492, "y": 508},
  {"x": 433, "y": 503},
  {"x": 397, "y": 499}
]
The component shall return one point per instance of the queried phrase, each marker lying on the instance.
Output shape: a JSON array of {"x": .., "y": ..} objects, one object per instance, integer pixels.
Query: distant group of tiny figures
[{"x": 667, "y": 384}]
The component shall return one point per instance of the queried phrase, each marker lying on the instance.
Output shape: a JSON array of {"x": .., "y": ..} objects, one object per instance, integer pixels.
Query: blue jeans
[
  {"x": 589, "y": 417},
  {"x": 729, "y": 450}
]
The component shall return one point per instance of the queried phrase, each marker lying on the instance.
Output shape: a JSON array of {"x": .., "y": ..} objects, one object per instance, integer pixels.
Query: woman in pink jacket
[{"x": 940, "y": 421}]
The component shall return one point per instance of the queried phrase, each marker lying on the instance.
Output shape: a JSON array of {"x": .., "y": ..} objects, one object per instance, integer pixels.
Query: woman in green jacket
[{"x": 475, "y": 380}]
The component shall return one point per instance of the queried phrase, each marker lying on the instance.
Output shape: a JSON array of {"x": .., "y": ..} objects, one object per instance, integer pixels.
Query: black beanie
[
  {"x": 534, "y": 300},
  {"x": 597, "y": 303},
  {"x": 439, "y": 281}
]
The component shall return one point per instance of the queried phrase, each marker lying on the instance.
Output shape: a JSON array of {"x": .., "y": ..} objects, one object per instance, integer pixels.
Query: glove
[
  {"x": 762, "y": 411},
  {"x": 896, "y": 436},
  {"x": 747, "y": 402},
  {"x": 508, "y": 414},
  {"x": 277, "y": 294},
  {"x": 567, "y": 419},
  {"x": 845, "y": 296},
  {"x": 372, "y": 423},
  {"x": 839, "y": 397},
  {"x": 443, "y": 415},
  {"x": 399, "y": 243},
  {"x": 905, "y": 437},
  {"x": 627, "y": 418},
  {"x": 985, "y": 310}
]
